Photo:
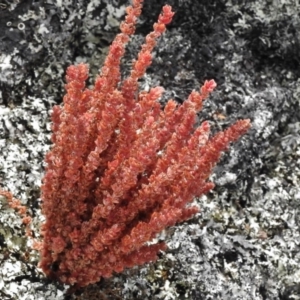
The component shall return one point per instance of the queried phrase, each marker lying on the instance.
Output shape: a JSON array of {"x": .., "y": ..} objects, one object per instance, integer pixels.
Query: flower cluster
[{"x": 122, "y": 169}]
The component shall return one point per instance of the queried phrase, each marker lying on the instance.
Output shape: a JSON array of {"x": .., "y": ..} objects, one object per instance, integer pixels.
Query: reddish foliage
[{"x": 121, "y": 169}]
